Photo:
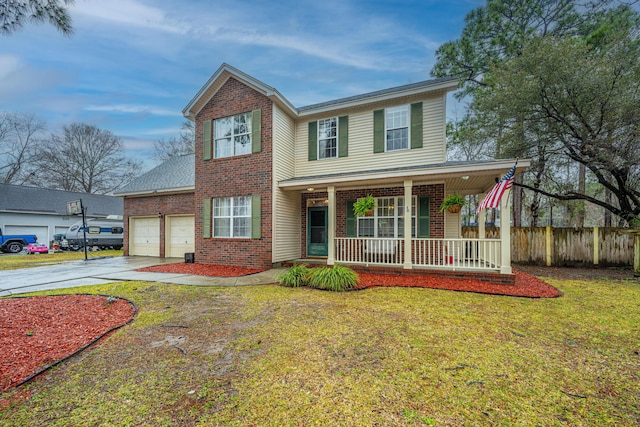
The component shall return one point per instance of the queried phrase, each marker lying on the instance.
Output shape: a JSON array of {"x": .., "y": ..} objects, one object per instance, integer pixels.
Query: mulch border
[{"x": 83, "y": 347}]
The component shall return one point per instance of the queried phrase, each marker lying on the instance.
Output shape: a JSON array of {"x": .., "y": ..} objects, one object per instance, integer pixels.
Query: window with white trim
[
  {"x": 233, "y": 135},
  {"x": 387, "y": 219},
  {"x": 328, "y": 138},
  {"x": 232, "y": 217},
  {"x": 397, "y": 128}
]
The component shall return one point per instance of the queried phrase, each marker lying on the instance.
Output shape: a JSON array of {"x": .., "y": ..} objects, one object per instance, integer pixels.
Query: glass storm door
[{"x": 317, "y": 240}]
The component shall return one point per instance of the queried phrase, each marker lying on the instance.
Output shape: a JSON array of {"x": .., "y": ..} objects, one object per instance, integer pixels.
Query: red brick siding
[
  {"x": 245, "y": 175},
  {"x": 171, "y": 204},
  {"x": 435, "y": 192}
]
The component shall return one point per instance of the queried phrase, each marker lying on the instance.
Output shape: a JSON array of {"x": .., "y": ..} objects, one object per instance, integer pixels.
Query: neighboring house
[
  {"x": 43, "y": 212},
  {"x": 275, "y": 183}
]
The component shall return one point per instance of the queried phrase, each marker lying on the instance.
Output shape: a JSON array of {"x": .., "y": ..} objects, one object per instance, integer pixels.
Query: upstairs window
[
  {"x": 233, "y": 135},
  {"x": 397, "y": 128},
  {"x": 328, "y": 138}
]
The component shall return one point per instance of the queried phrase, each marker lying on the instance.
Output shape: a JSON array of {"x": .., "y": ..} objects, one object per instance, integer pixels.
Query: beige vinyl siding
[
  {"x": 361, "y": 156},
  {"x": 452, "y": 226},
  {"x": 286, "y": 205}
]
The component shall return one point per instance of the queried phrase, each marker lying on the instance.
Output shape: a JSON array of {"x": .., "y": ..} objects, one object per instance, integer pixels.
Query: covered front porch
[{"x": 407, "y": 204}]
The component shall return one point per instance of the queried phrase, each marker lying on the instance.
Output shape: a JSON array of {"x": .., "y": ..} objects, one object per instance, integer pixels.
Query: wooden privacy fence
[{"x": 597, "y": 246}]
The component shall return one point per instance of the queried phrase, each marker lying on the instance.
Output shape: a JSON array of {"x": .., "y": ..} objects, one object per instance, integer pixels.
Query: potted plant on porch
[
  {"x": 364, "y": 206},
  {"x": 453, "y": 203}
]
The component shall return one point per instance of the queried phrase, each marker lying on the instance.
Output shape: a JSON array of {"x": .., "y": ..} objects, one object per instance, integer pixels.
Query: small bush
[
  {"x": 294, "y": 276},
  {"x": 337, "y": 278}
]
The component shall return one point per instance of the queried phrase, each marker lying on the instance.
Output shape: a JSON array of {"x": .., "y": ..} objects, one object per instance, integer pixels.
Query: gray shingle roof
[
  {"x": 391, "y": 90},
  {"x": 176, "y": 172},
  {"x": 17, "y": 198}
]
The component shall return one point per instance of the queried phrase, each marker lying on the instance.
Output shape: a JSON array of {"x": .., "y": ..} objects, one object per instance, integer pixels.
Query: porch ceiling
[{"x": 481, "y": 177}]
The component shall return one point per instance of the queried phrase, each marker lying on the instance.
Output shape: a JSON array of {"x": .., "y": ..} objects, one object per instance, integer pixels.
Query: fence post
[
  {"x": 596, "y": 247},
  {"x": 636, "y": 254},
  {"x": 548, "y": 237}
]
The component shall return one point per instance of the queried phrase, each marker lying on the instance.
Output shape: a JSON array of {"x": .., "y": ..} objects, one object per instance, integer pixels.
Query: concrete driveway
[{"x": 104, "y": 270}]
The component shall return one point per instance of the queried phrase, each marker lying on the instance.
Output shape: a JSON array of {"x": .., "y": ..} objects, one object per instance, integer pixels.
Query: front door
[{"x": 317, "y": 240}]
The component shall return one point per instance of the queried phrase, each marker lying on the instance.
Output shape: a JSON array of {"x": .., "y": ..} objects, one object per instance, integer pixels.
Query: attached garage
[
  {"x": 144, "y": 236},
  {"x": 179, "y": 235}
]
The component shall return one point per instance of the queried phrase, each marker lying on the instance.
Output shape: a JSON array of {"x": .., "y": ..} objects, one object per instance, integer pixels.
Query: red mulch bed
[
  {"x": 38, "y": 332},
  {"x": 525, "y": 285},
  {"x": 197, "y": 269}
]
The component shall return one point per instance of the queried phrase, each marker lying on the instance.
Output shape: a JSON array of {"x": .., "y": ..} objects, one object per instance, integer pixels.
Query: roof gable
[{"x": 219, "y": 78}]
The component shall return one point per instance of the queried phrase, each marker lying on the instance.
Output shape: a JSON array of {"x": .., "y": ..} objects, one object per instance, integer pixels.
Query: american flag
[{"x": 492, "y": 199}]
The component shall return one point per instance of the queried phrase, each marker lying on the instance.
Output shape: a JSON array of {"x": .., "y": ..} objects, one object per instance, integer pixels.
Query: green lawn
[
  {"x": 275, "y": 356},
  {"x": 13, "y": 262}
]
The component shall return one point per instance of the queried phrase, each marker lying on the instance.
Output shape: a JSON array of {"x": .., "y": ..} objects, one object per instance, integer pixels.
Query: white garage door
[
  {"x": 41, "y": 231},
  {"x": 144, "y": 236},
  {"x": 180, "y": 235}
]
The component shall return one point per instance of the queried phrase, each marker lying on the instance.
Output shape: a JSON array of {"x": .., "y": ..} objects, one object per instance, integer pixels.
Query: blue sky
[{"x": 131, "y": 66}]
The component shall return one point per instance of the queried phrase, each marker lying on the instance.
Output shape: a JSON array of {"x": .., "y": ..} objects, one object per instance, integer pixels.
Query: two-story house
[{"x": 275, "y": 183}]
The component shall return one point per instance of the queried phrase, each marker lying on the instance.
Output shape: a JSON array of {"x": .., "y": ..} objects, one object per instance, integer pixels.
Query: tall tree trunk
[
  {"x": 581, "y": 206},
  {"x": 517, "y": 202},
  {"x": 607, "y": 212}
]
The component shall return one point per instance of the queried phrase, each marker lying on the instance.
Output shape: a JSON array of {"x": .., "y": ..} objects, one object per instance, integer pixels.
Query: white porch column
[
  {"x": 408, "y": 201},
  {"x": 331, "y": 253},
  {"x": 482, "y": 232},
  {"x": 482, "y": 218},
  {"x": 505, "y": 234}
]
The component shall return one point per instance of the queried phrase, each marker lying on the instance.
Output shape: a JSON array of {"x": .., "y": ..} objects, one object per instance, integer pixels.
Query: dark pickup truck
[{"x": 14, "y": 243}]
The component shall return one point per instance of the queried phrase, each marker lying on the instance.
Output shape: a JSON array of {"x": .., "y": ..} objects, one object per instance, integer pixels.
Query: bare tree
[
  {"x": 19, "y": 134},
  {"x": 176, "y": 146},
  {"x": 87, "y": 159},
  {"x": 14, "y": 13}
]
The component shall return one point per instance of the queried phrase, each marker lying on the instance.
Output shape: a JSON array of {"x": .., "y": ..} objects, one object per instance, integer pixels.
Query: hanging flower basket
[
  {"x": 453, "y": 203},
  {"x": 364, "y": 206}
]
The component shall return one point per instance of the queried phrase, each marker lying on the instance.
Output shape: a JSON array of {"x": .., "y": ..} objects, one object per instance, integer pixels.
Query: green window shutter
[
  {"x": 416, "y": 125},
  {"x": 313, "y": 141},
  {"x": 351, "y": 219},
  {"x": 206, "y": 138},
  {"x": 343, "y": 136},
  {"x": 255, "y": 217},
  {"x": 378, "y": 131},
  {"x": 256, "y": 131},
  {"x": 424, "y": 217},
  {"x": 206, "y": 218}
]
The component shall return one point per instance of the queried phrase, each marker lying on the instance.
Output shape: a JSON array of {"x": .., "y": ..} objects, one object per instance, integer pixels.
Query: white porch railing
[
  {"x": 378, "y": 251},
  {"x": 480, "y": 254},
  {"x": 468, "y": 254}
]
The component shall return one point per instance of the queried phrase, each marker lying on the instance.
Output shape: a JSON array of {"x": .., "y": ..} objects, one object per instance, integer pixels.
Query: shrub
[
  {"x": 337, "y": 278},
  {"x": 294, "y": 276}
]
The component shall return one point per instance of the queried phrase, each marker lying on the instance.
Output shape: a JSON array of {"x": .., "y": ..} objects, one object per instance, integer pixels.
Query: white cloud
[
  {"x": 129, "y": 13},
  {"x": 132, "y": 109}
]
